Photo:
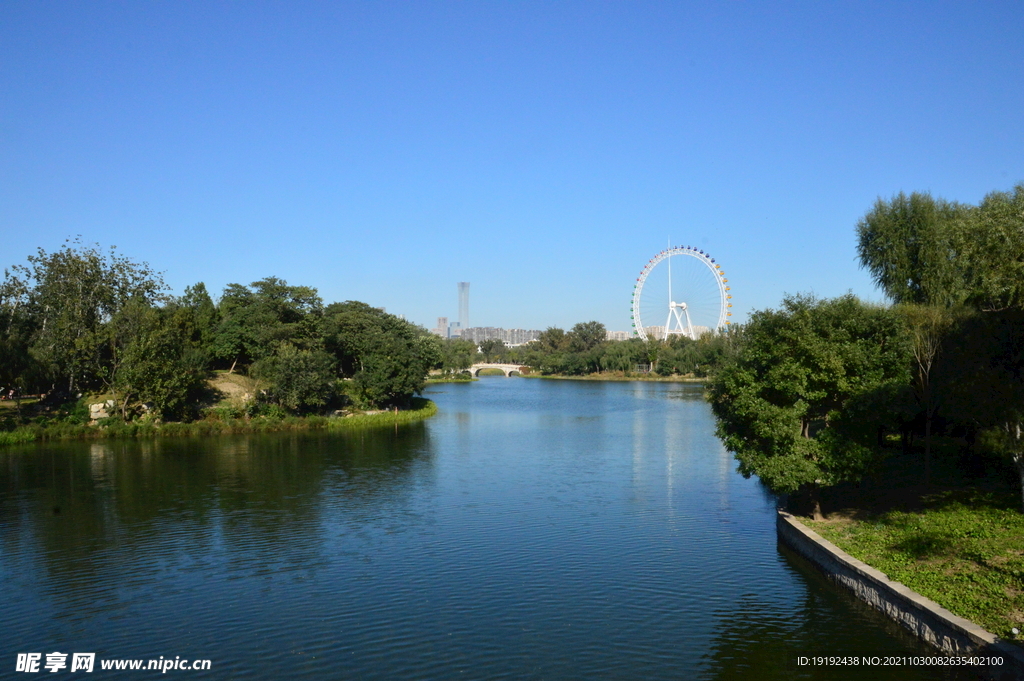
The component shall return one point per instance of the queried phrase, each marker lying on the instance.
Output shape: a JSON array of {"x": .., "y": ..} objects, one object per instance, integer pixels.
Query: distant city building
[
  {"x": 617, "y": 335},
  {"x": 655, "y": 332},
  {"x": 509, "y": 336},
  {"x": 464, "y": 304},
  {"x": 454, "y": 330},
  {"x": 442, "y": 327}
]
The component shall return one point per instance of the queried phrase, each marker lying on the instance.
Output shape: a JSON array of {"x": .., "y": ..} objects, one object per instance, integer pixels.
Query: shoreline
[
  {"x": 613, "y": 377},
  {"x": 929, "y": 621},
  {"x": 423, "y": 409},
  {"x": 959, "y": 548}
]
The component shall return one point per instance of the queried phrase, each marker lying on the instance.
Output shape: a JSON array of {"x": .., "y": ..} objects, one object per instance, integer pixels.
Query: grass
[
  {"x": 458, "y": 378},
  {"x": 964, "y": 549},
  {"x": 622, "y": 376},
  {"x": 12, "y": 414},
  {"x": 17, "y": 437},
  {"x": 421, "y": 409}
]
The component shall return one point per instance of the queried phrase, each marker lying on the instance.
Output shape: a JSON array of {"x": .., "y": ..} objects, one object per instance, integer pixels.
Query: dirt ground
[{"x": 234, "y": 389}]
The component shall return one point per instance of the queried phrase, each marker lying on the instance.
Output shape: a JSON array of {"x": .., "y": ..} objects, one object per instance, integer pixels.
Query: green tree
[
  {"x": 623, "y": 355},
  {"x": 929, "y": 326},
  {"x": 386, "y": 357},
  {"x": 551, "y": 339},
  {"x": 351, "y": 330},
  {"x": 585, "y": 344},
  {"x": 913, "y": 247},
  {"x": 780, "y": 403},
  {"x": 256, "y": 320},
  {"x": 290, "y": 314},
  {"x": 153, "y": 363},
  {"x": 984, "y": 379},
  {"x": 300, "y": 380},
  {"x": 679, "y": 355},
  {"x": 492, "y": 349},
  {"x": 235, "y": 338},
  {"x": 196, "y": 313},
  {"x": 456, "y": 355},
  {"x": 653, "y": 349},
  {"x": 391, "y": 372},
  {"x": 586, "y": 336},
  {"x": 935, "y": 257},
  {"x": 17, "y": 328},
  {"x": 72, "y": 293},
  {"x": 546, "y": 354},
  {"x": 994, "y": 252}
]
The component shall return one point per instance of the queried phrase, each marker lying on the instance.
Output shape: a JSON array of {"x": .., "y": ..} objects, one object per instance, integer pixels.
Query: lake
[{"x": 532, "y": 529}]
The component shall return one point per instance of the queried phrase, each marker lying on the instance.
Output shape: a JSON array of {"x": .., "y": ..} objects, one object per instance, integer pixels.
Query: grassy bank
[
  {"x": 621, "y": 376},
  {"x": 964, "y": 549},
  {"x": 421, "y": 409},
  {"x": 464, "y": 378}
]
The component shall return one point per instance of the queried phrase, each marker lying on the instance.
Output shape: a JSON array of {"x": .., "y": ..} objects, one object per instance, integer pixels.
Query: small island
[{"x": 95, "y": 346}]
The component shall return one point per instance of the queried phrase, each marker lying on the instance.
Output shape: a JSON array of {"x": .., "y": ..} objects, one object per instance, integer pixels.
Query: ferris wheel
[{"x": 681, "y": 291}]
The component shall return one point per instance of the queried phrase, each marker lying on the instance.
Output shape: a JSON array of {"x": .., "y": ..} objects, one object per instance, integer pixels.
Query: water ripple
[{"x": 531, "y": 530}]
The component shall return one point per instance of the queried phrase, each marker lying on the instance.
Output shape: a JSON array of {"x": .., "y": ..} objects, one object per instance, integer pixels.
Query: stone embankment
[{"x": 927, "y": 619}]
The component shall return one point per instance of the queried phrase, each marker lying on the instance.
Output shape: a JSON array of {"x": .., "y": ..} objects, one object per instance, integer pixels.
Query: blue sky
[{"x": 541, "y": 151}]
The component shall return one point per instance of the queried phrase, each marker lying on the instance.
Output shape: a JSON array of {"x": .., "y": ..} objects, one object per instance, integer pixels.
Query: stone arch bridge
[{"x": 508, "y": 369}]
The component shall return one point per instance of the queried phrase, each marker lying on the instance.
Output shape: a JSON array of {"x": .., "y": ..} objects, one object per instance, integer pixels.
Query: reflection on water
[{"x": 531, "y": 529}]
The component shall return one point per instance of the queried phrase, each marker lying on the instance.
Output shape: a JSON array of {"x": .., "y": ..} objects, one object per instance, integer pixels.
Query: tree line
[
  {"x": 81, "y": 320},
  {"x": 820, "y": 392},
  {"x": 584, "y": 350},
  {"x": 84, "y": 321}
]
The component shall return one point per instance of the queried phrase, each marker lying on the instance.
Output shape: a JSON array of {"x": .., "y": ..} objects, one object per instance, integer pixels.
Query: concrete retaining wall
[{"x": 925, "y": 618}]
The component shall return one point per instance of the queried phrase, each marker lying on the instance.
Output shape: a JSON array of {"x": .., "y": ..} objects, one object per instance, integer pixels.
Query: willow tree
[
  {"x": 942, "y": 260},
  {"x": 914, "y": 248},
  {"x": 781, "y": 401},
  {"x": 994, "y": 252}
]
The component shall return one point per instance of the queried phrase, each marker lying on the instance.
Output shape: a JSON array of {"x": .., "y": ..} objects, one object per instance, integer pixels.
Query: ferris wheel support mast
[{"x": 681, "y": 328}]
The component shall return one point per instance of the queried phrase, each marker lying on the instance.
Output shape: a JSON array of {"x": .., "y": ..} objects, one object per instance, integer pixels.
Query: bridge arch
[{"x": 507, "y": 369}]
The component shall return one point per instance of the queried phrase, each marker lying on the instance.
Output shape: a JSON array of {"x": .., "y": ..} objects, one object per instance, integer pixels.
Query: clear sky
[{"x": 384, "y": 151}]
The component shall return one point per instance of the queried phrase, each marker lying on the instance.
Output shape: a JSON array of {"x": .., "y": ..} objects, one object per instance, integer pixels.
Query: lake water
[{"x": 532, "y": 529}]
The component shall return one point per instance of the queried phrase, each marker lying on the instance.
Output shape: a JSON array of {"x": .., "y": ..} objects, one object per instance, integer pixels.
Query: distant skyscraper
[{"x": 464, "y": 304}]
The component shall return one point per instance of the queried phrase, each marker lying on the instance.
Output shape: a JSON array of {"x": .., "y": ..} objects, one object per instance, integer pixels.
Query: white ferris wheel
[{"x": 681, "y": 291}]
